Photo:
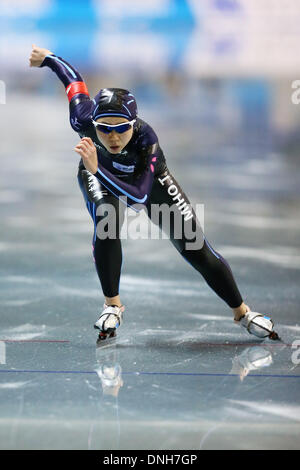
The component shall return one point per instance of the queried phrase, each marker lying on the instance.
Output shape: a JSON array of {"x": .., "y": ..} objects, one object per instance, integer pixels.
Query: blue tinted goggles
[{"x": 120, "y": 128}]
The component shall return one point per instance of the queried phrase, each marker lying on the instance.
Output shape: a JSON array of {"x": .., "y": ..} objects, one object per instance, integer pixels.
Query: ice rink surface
[{"x": 181, "y": 375}]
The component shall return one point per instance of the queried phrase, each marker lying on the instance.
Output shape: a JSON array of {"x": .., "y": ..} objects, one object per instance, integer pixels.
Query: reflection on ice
[
  {"x": 109, "y": 370},
  {"x": 252, "y": 358}
]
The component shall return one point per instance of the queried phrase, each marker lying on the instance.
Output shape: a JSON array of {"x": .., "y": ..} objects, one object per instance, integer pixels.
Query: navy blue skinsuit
[{"x": 137, "y": 177}]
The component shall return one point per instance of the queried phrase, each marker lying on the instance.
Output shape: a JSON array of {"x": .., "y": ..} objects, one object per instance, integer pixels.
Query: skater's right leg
[
  {"x": 108, "y": 215},
  {"x": 113, "y": 301}
]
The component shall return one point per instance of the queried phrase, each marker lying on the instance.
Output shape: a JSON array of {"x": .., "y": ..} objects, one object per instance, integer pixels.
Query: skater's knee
[{"x": 108, "y": 222}]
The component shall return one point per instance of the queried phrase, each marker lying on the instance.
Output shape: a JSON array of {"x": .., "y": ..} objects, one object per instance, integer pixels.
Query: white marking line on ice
[
  {"x": 13, "y": 385},
  {"x": 187, "y": 288},
  {"x": 19, "y": 303},
  {"x": 280, "y": 255},
  {"x": 25, "y": 332},
  {"x": 22, "y": 279},
  {"x": 52, "y": 287},
  {"x": 152, "y": 331},
  {"x": 147, "y": 281},
  {"x": 252, "y": 183},
  {"x": 291, "y": 327},
  {"x": 202, "y": 316},
  {"x": 277, "y": 409},
  {"x": 255, "y": 222}
]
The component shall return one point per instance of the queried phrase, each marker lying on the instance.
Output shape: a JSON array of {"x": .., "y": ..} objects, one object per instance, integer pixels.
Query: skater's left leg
[
  {"x": 192, "y": 244},
  {"x": 240, "y": 311}
]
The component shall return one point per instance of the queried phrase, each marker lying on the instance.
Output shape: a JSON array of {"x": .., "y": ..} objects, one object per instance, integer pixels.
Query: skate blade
[
  {"x": 274, "y": 336},
  {"x": 107, "y": 338},
  {"x": 270, "y": 333}
]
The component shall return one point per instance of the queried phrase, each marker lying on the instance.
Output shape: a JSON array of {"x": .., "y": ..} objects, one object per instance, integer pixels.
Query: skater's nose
[{"x": 112, "y": 135}]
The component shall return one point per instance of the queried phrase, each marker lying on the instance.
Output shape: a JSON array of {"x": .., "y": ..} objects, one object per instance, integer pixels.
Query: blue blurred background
[
  {"x": 213, "y": 77},
  {"x": 219, "y": 60}
]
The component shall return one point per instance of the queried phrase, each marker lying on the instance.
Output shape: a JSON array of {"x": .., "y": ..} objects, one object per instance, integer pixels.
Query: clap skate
[
  {"x": 259, "y": 325},
  {"x": 109, "y": 320}
]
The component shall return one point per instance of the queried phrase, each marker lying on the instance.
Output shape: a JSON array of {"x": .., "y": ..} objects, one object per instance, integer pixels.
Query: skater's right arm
[{"x": 80, "y": 103}]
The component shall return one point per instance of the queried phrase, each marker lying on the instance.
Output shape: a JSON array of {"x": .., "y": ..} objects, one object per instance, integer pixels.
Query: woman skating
[{"x": 123, "y": 165}]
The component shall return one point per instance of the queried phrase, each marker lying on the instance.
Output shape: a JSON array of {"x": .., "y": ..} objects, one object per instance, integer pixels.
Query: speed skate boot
[
  {"x": 259, "y": 325},
  {"x": 110, "y": 319}
]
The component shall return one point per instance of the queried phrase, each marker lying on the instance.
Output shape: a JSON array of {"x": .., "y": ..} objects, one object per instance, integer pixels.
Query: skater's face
[{"x": 114, "y": 142}]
